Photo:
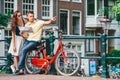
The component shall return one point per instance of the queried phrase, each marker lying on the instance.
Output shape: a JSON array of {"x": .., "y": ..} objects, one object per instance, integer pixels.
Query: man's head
[{"x": 30, "y": 16}]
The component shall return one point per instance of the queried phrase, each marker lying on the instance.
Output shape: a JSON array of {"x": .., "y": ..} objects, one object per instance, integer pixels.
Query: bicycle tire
[
  {"x": 30, "y": 68},
  {"x": 71, "y": 68}
]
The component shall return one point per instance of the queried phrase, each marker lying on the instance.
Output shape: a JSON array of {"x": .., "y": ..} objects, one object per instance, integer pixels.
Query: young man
[{"x": 32, "y": 39}]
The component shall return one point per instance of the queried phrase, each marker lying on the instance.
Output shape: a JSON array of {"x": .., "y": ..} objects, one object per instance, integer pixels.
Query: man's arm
[{"x": 50, "y": 21}]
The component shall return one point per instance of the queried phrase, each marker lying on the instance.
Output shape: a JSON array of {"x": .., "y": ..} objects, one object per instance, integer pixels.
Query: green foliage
[
  {"x": 118, "y": 1},
  {"x": 103, "y": 11},
  {"x": 112, "y": 13},
  {"x": 4, "y": 18},
  {"x": 118, "y": 17},
  {"x": 116, "y": 8},
  {"x": 106, "y": 11},
  {"x": 114, "y": 53}
]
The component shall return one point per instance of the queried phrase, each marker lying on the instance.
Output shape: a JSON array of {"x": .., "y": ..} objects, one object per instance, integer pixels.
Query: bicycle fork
[{"x": 64, "y": 57}]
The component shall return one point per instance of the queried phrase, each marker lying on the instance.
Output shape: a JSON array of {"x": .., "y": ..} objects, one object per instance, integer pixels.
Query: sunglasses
[{"x": 19, "y": 15}]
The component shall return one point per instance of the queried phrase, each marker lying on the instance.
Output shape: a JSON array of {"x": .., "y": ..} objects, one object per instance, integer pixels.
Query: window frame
[
  {"x": 65, "y": 0},
  {"x": 95, "y": 7},
  {"x": 89, "y": 43},
  {"x": 80, "y": 1},
  {"x": 79, "y": 19},
  {"x": 34, "y": 4},
  {"x": 50, "y": 11},
  {"x": 68, "y": 28},
  {"x": 14, "y": 2}
]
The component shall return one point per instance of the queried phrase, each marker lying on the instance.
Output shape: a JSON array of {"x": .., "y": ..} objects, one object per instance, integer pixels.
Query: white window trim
[
  {"x": 35, "y": 8},
  {"x": 80, "y": 19},
  {"x": 95, "y": 8},
  {"x": 68, "y": 21},
  {"x": 65, "y": 0},
  {"x": 86, "y": 9},
  {"x": 80, "y": 1},
  {"x": 51, "y": 11},
  {"x": 15, "y": 5},
  {"x": 94, "y": 49}
]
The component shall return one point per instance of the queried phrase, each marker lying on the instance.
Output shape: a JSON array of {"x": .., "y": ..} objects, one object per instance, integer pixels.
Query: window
[
  {"x": 94, "y": 6},
  {"x": 90, "y": 7},
  {"x": 47, "y": 9},
  {"x": 28, "y": 5},
  {"x": 8, "y": 6},
  {"x": 76, "y": 23},
  {"x": 76, "y": 0},
  {"x": 90, "y": 42},
  {"x": 99, "y": 5},
  {"x": 64, "y": 20},
  {"x": 111, "y": 3}
]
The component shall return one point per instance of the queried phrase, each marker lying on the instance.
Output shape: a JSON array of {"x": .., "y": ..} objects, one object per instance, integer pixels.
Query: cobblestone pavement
[{"x": 46, "y": 77}]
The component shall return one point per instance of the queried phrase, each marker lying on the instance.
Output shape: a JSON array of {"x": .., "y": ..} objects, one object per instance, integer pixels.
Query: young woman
[{"x": 16, "y": 41}]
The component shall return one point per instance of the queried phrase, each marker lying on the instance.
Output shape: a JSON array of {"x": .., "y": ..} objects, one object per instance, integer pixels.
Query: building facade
[
  {"x": 70, "y": 16},
  {"x": 74, "y": 17},
  {"x": 94, "y": 27}
]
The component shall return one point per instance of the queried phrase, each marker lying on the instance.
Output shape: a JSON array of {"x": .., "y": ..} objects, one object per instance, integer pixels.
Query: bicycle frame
[
  {"x": 45, "y": 61},
  {"x": 67, "y": 61},
  {"x": 59, "y": 48}
]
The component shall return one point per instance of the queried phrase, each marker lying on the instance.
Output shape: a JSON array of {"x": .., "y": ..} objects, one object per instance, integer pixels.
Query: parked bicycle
[
  {"x": 81, "y": 72},
  {"x": 114, "y": 71},
  {"x": 67, "y": 61},
  {"x": 5, "y": 63},
  {"x": 2, "y": 66}
]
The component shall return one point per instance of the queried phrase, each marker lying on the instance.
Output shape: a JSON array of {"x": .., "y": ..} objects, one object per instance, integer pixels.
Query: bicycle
[
  {"x": 114, "y": 72},
  {"x": 5, "y": 63},
  {"x": 2, "y": 67},
  {"x": 67, "y": 61},
  {"x": 81, "y": 72}
]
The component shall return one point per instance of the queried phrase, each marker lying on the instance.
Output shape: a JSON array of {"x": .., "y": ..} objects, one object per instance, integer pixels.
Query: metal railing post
[
  {"x": 51, "y": 39},
  {"x": 9, "y": 62},
  {"x": 103, "y": 57}
]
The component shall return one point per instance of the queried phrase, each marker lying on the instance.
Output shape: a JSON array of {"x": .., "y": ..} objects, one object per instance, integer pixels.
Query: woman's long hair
[{"x": 14, "y": 21}]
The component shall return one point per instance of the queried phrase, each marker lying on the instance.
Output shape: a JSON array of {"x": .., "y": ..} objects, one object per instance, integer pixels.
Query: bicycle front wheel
[
  {"x": 69, "y": 67},
  {"x": 30, "y": 68}
]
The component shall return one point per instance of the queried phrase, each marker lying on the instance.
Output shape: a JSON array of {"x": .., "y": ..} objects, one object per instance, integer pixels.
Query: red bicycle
[{"x": 67, "y": 61}]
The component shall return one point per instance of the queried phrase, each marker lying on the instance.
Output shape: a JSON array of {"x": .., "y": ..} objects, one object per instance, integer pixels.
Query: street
[{"x": 47, "y": 77}]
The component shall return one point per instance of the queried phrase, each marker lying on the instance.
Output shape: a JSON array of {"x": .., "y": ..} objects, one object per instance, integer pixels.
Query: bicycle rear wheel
[
  {"x": 71, "y": 66},
  {"x": 30, "y": 68}
]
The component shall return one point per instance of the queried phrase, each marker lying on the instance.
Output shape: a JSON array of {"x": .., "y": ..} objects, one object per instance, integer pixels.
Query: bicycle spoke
[
  {"x": 29, "y": 66},
  {"x": 69, "y": 66}
]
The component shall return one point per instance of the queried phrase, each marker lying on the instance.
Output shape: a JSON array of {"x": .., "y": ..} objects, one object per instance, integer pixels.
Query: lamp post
[
  {"x": 105, "y": 21},
  {"x": 104, "y": 45}
]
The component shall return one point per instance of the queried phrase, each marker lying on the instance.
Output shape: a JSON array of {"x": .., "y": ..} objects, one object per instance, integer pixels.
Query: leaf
[
  {"x": 114, "y": 53},
  {"x": 4, "y": 19}
]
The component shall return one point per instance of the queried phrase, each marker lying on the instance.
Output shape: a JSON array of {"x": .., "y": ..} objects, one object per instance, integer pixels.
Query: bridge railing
[{"x": 103, "y": 56}]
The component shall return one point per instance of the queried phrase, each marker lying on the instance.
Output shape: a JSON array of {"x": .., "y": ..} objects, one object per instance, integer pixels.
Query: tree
[{"x": 116, "y": 10}]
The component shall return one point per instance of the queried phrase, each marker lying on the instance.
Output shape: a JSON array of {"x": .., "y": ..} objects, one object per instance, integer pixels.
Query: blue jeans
[{"x": 27, "y": 46}]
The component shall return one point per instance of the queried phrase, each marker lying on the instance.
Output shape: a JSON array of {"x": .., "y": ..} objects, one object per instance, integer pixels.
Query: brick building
[
  {"x": 70, "y": 16},
  {"x": 74, "y": 17}
]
